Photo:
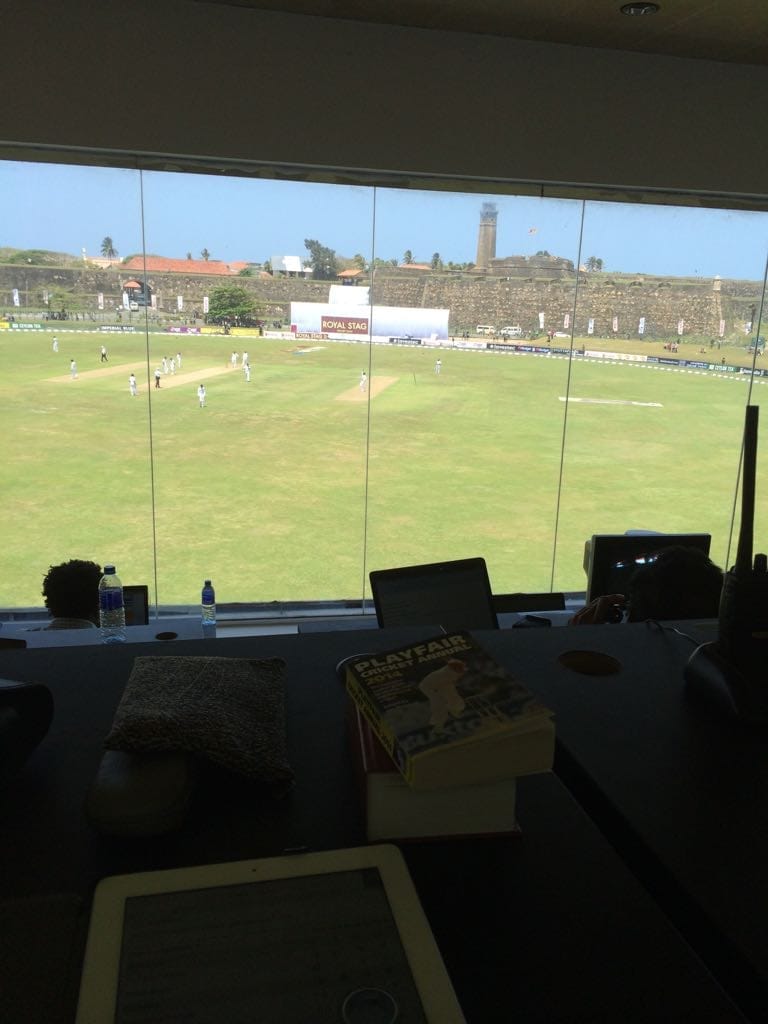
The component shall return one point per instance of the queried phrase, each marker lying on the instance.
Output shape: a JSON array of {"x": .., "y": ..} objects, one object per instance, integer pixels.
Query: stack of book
[{"x": 439, "y": 733}]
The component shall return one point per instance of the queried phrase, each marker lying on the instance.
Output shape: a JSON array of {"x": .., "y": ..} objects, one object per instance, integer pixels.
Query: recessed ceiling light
[{"x": 639, "y": 8}]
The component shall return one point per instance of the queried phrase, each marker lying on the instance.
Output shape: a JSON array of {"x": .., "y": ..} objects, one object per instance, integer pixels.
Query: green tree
[
  {"x": 437, "y": 263},
  {"x": 205, "y": 255},
  {"x": 593, "y": 263},
  {"x": 359, "y": 261},
  {"x": 324, "y": 264},
  {"x": 108, "y": 249},
  {"x": 407, "y": 256},
  {"x": 229, "y": 302}
]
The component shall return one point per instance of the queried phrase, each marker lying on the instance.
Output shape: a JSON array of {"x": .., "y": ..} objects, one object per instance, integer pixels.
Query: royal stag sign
[{"x": 344, "y": 324}]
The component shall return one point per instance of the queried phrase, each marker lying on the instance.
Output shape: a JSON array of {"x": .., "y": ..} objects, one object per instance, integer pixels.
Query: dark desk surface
[
  {"x": 679, "y": 789},
  {"x": 550, "y": 927}
]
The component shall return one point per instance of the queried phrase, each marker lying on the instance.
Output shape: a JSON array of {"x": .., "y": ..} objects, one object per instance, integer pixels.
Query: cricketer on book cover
[{"x": 447, "y": 713}]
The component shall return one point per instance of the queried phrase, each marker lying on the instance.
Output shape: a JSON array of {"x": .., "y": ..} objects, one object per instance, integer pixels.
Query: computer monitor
[
  {"x": 454, "y": 595},
  {"x": 611, "y": 559}
]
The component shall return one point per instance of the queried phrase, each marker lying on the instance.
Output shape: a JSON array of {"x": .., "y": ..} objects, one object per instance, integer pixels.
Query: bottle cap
[
  {"x": 207, "y": 583},
  {"x": 108, "y": 569}
]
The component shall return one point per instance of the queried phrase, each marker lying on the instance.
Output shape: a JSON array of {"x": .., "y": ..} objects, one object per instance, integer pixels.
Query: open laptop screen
[{"x": 454, "y": 595}]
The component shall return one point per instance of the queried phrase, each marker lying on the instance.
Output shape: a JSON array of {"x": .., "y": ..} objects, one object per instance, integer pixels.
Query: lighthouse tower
[{"x": 486, "y": 236}]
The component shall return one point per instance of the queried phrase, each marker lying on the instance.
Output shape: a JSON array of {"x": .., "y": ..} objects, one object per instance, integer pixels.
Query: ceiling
[{"x": 724, "y": 30}]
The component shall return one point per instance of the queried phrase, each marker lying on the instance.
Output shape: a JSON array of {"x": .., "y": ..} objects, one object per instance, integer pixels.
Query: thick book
[
  {"x": 449, "y": 715},
  {"x": 395, "y": 811}
]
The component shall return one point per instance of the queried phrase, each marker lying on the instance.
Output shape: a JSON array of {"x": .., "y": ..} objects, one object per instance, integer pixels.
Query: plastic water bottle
[
  {"x": 111, "y": 607},
  {"x": 208, "y": 601}
]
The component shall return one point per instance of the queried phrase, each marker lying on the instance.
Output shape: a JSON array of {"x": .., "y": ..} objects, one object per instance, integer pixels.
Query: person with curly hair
[{"x": 71, "y": 593}]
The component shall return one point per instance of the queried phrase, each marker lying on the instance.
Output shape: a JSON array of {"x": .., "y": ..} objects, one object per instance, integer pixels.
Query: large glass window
[
  {"x": 335, "y": 378},
  {"x": 667, "y": 313}
]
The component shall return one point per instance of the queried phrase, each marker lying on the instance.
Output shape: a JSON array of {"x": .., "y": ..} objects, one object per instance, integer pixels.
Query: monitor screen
[
  {"x": 454, "y": 595},
  {"x": 614, "y": 558},
  {"x": 136, "y": 602}
]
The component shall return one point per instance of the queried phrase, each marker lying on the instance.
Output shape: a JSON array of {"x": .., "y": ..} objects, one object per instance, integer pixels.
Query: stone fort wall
[{"x": 471, "y": 298}]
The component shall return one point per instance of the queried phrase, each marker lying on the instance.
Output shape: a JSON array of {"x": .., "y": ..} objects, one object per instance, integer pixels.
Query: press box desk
[
  {"x": 681, "y": 791},
  {"x": 549, "y": 927}
]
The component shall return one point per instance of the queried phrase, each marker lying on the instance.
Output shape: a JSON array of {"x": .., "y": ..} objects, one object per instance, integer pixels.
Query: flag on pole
[
  {"x": 566, "y": 321},
  {"x": 205, "y": 303},
  {"x": 641, "y": 326},
  {"x": 541, "y": 321},
  {"x": 615, "y": 323},
  {"x": 179, "y": 302},
  {"x": 590, "y": 326},
  {"x": 16, "y": 300}
]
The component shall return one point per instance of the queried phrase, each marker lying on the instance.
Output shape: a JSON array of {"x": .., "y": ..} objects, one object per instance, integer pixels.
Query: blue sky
[{"x": 66, "y": 208}]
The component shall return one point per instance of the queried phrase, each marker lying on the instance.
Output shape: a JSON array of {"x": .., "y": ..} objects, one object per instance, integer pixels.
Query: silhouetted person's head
[
  {"x": 680, "y": 583},
  {"x": 71, "y": 590}
]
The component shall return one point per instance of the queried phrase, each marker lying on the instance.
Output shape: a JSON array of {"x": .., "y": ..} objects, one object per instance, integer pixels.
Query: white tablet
[{"x": 309, "y": 938}]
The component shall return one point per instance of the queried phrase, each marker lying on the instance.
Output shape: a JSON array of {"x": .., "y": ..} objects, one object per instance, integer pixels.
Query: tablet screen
[{"x": 289, "y": 950}]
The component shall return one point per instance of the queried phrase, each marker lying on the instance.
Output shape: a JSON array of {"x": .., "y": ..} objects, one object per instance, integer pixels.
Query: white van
[
  {"x": 511, "y": 332},
  {"x": 485, "y": 329}
]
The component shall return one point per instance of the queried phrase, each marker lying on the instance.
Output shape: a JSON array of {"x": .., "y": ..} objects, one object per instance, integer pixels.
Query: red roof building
[{"x": 164, "y": 264}]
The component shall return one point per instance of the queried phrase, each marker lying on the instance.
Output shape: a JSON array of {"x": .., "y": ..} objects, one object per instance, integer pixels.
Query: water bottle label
[{"x": 110, "y": 600}]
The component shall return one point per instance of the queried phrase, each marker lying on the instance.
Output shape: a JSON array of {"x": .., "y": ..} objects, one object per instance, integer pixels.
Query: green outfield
[{"x": 293, "y": 485}]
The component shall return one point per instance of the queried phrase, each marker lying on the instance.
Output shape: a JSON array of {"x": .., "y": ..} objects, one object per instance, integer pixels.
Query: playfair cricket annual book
[
  {"x": 449, "y": 715},
  {"x": 395, "y": 811}
]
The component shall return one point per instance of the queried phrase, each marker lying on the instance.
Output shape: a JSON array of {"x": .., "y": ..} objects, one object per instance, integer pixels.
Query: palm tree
[
  {"x": 407, "y": 256},
  {"x": 205, "y": 255},
  {"x": 437, "y": 263},
  {"x": 108, "y": 249}
]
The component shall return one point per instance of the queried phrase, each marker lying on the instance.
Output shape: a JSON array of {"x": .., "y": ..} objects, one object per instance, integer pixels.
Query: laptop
[{"x": 453, "y": 595}]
